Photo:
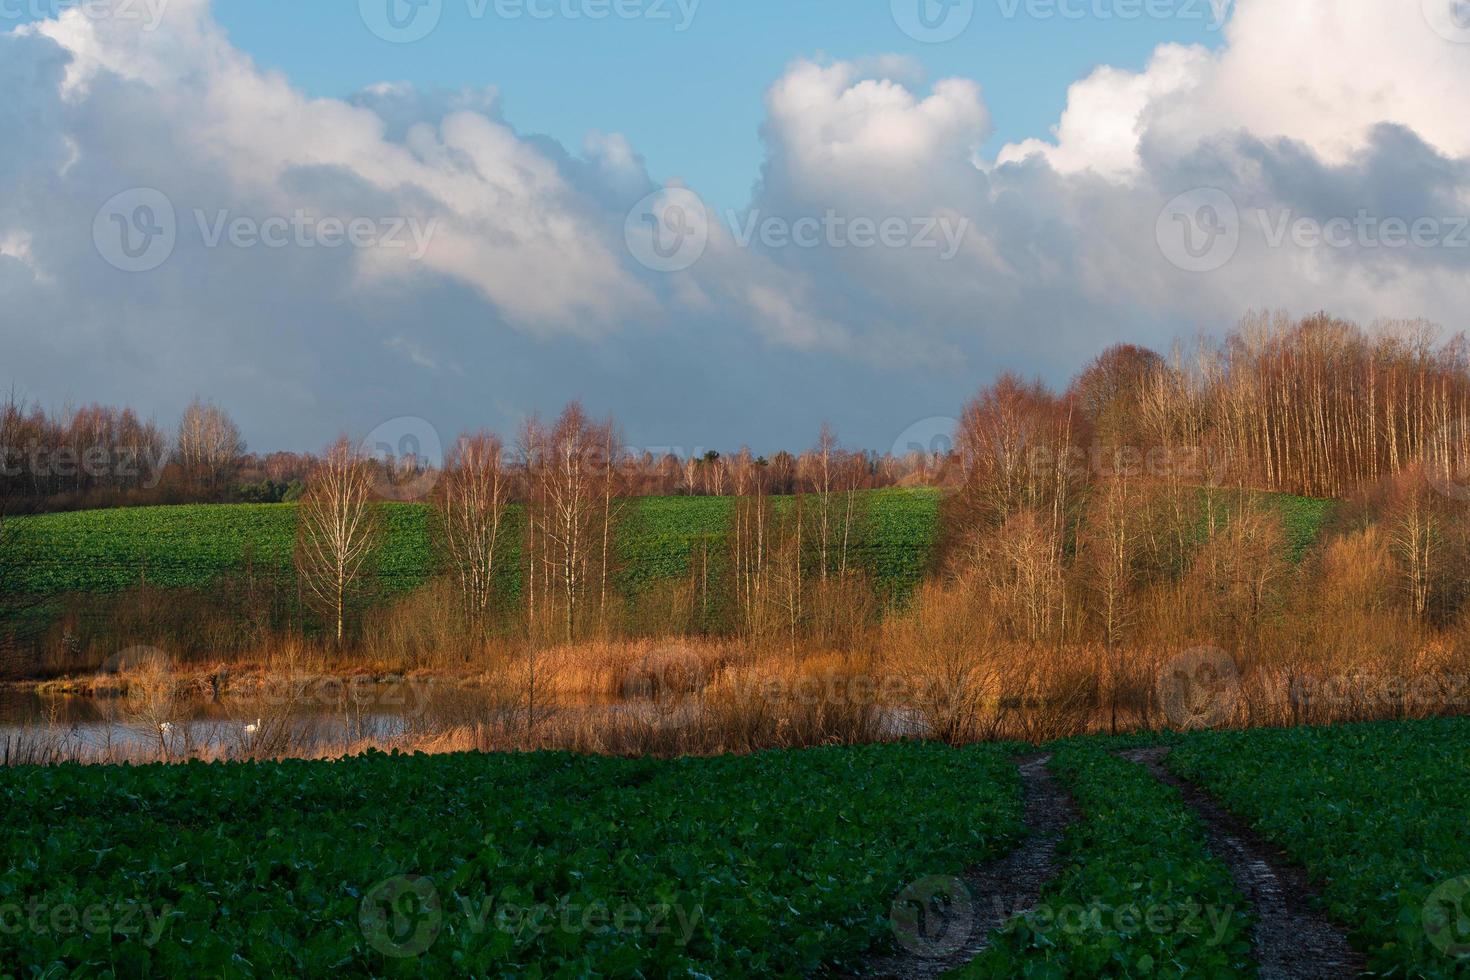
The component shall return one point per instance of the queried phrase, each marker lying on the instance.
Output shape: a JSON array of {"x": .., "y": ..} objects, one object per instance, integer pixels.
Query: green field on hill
[
  {"x": 193, "y": 546},
  {"x": 1302, "y": 519}
]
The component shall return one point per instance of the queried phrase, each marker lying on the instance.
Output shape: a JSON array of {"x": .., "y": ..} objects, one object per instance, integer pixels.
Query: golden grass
[{"x": 945, "y": 667}]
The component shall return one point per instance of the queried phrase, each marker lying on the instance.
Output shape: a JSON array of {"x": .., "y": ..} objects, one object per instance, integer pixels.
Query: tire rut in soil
[
  {"x": 998, "y": 890},
  {"x": 1292, "y": 938}
]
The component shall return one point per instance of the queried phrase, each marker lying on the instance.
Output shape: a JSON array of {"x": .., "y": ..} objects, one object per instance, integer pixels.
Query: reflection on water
[
  {"x": 329, "y": 717},
  {"x": 306, "y": 697},
  {"x": 298, "y": 712}
]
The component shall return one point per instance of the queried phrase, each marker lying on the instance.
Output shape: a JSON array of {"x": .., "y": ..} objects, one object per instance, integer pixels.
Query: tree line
[
  {"x": 1128, "y": 511},
  {"x": 105, "y": 456},
  {"x": 789, "y": 531},
  {"x": 1119, "y": 510}
]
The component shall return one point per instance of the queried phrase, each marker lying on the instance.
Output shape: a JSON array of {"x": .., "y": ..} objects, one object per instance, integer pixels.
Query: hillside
[
  {"x": 105, "y": 551},
  {"x": 192, "y": 546}
]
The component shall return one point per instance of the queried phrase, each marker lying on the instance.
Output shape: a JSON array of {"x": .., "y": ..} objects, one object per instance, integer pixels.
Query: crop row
[
  {"x": 1139, "y": 893},
  {"x": 773, "y": 864}
]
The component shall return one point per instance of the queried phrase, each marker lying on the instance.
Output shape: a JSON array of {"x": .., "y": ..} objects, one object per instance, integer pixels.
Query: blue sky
[{"x": 691, "y": 101}]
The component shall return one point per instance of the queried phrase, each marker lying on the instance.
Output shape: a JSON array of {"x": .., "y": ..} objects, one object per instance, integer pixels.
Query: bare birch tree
[
  {"x": 570, "y": 507},
  {"x": 338, "y": 531},
  {"x": 610, "y": 465},
  {"x": 1108, "y": 549},
  {"x": 208, "y": 446},
  {"x": 821, "y": 467},
  {"x": 532, "y": 458},
  {"x": 752, "y": 540},
  {"x": 471, "y": 502},
  {"x": 1109, "y": 570},
  {"x": 1416, "y": 536},
  {"x": 834, "y": 477}
]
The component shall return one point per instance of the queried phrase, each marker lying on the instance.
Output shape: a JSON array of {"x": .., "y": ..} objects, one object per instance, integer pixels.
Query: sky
[
  {"x": 721, "y": 222},
  {"x": 685, "y": 84}
]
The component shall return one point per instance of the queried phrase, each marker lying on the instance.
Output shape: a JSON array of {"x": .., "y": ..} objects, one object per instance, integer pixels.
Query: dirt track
[
  {"x": 997, "y": 891},
  {"x": 1292, "y": 938}
]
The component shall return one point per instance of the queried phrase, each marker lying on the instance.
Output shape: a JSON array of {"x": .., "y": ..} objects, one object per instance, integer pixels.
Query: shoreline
[{"x": 237, "y": 680}]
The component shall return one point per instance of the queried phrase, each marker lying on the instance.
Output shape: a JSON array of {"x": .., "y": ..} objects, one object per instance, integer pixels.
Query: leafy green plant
[
  {"x": 1139, "y": 894},
  {"x": 536, "y": 865},
  {"x": 1377, "y": 812}
]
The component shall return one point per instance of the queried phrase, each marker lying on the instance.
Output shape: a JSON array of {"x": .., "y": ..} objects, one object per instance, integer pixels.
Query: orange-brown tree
[{"x": 208, "y": 447}]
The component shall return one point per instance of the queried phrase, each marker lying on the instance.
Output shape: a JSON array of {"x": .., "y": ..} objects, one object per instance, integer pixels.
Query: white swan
[{"x": 252, "y": 729}]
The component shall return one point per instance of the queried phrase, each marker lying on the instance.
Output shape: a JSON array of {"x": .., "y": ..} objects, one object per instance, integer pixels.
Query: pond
[
  {"x": 323, "y": 717},
  {"x": 296, "y": 713}
]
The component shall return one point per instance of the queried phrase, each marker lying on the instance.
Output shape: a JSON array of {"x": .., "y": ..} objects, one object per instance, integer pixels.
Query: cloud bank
[{"x": 332, "y": 263}]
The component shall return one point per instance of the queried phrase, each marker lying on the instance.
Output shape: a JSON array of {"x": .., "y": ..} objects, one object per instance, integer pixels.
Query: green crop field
[
  {"x": 1376, "y": 813},
  {"x": 530, "y": 865},
  {"x": 783, "y": 863},
  {"x": 1379, "y": 812},
  {"x": 1303, "y": 518},
  {"x": 1137, "y": 850},
  {"x": 192, "y": 546}
]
